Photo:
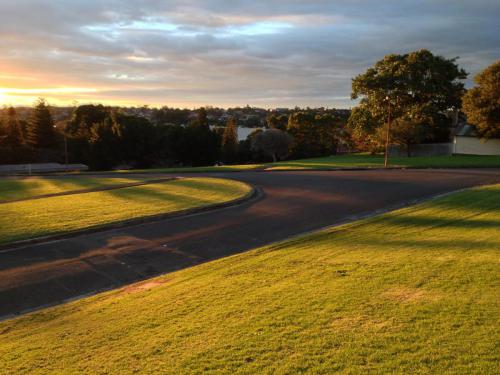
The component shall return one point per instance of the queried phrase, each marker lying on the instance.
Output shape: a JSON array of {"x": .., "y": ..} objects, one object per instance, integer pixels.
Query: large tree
[
  {"x": 84, "y": 117},
  {"x": 276, "y": 121},
  {"x": 481, "y": 104},
  {"x": 12, "y": 129},
  {"x": 104, "y": 140},
  {"x": 314, "y": 134},
  {"x": 200, "y": 143},
  {"x": 418, "y": 86},
  {"x": 363, "y": 128},
  {"x": 136, "y": 141},
  {"x": 201, "y": 118},
  {"x": 40, "y": 130},
  {"x": 273, "y": 142},
  {"x": 229, "y": 143}
]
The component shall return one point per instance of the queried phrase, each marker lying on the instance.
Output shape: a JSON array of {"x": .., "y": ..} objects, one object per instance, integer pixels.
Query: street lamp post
[{"x": 387, "y": 136}]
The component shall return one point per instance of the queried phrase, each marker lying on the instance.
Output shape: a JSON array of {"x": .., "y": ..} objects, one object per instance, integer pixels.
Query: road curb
[
  {"x": 305, "y": 170},
  {"x": 252, "y": 194}
]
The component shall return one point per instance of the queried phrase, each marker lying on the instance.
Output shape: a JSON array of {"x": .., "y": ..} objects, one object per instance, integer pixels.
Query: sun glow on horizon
[{"x": 55, "y": 95}]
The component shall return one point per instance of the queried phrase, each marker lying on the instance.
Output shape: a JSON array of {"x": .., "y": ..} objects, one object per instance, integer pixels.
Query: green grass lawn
[
  {"x": 362, "y": 160},
  {"x": 221, "y": 168},
  {"x": 349, "y": 161},
  {"x": 21, "y": 188},
  {"x": 54, "y": 215},
  {"x": 413, "y": 291}
]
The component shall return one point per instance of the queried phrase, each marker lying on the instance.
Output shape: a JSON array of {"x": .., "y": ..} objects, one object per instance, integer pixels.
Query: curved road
[{"x": 292, "y": 202}]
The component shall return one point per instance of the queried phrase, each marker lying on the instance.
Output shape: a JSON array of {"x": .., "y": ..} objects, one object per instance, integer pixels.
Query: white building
[
  {"x": 466, "y": 142},
  {"x": 243, "y": 133}
]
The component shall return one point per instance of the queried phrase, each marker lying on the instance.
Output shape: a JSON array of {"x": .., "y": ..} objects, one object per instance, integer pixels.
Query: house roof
[{"x": 466, "y": 130}]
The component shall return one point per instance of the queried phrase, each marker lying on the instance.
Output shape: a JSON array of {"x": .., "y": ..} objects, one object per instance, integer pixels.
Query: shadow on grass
[
  {"x": 198, "y": 193},
  {"x": 25, "y": 188},
  {"x": 11, "y": 188}
]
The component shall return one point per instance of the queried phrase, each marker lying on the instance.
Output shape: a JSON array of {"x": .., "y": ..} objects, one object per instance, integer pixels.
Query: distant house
[
  {"x": 467, "y": 142},
  {"x": 281, "y": 110},
  {"x": 243, "y": 132}
]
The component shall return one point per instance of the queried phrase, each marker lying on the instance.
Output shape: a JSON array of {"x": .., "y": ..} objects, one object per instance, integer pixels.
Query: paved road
[{"x": 292, "y": 203}]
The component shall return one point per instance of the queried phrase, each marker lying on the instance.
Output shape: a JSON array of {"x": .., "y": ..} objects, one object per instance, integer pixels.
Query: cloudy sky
[{"x": 270, "y": 53}]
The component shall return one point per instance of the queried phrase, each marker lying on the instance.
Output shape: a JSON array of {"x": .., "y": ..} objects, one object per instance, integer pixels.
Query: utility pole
[{"x": 387, "y": 136}]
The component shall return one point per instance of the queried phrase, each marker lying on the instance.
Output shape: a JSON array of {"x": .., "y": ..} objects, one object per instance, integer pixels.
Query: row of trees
[
  {"x": 38, "y": 132},
  {"x": 417, "y": 90},
  {"x": 25, "y": 141},
  {"x": 104, "y": 138},
  {"x": 420, "y": 92}
]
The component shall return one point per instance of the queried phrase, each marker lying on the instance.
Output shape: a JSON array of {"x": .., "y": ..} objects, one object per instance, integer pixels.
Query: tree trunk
[{"x": 274, "y": 158}]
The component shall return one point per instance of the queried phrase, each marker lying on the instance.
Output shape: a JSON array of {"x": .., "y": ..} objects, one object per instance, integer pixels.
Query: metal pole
[{"x": 386, "y": 158}]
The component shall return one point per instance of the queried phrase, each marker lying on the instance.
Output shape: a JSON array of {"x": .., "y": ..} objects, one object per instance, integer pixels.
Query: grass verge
[
  {"x": 412, "y": 291},
  {"x": 375, "y": 161},
  {"x": 56, "y": 215},
  {"x": 349, "y": 161}
]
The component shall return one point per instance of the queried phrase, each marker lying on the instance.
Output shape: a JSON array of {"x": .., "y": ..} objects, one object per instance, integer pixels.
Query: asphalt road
[{"x": 291, "y": 203}]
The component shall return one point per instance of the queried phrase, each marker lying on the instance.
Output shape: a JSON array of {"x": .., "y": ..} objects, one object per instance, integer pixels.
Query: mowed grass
[
  {"x": 54, "y": 215},
  {"x": 348, "y": 161},
  {"x": 370, "y": 161},
  {"x": 22, "y": 188},
  {"x": 218, "y": 168},
  {"x": 413, "y": 291}
]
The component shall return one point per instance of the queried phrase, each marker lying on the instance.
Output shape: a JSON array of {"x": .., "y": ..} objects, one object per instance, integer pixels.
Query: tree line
[
  {"x": 418, "y": 91},
  {"x": 105, "y": 137},
  {"x": 421, "y": 92}
]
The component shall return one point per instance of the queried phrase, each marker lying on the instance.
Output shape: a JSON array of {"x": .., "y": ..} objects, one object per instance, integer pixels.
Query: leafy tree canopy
[
  {"x": 276, "y": 121},
  {"x": 40, "y": 130},
  {"x": 229, "y": 141},
  {"x": 419, "y": 83},
  {"x": 84, "y": 117},
  {"x": 273, "y": 142},
  {"x": 481, "y": 104},
  {"x": 12, "y": 130},
  {"x": 314, "y": 134},
  {"x": 419, "y": 86}
]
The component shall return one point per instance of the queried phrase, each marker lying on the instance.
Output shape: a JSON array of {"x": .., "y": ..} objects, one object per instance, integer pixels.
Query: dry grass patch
[{"x": 404, "y": 294}]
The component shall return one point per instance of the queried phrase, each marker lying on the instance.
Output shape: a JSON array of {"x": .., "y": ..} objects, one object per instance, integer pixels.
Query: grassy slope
[
  {"x": 20, "y": 188},
  {"x": 412, "y": 291},
  {"x": 350, "y": 161},
  {"x": 28, "y": 219}
]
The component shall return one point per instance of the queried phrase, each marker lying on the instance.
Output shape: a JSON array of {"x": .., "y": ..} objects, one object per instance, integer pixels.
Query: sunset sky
[{"x": 188, "y": 53}]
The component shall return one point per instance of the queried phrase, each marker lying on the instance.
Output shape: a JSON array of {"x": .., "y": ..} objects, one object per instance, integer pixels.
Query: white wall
[
  {"x": 243, "y": 133},
  {"x": 474, "y": 146}
]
